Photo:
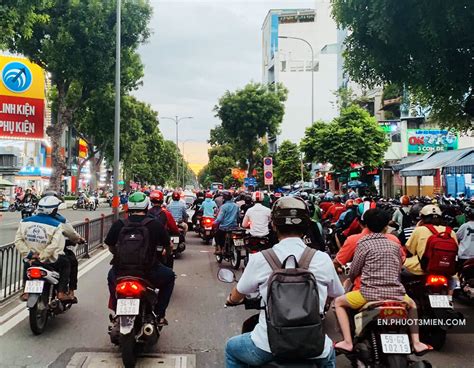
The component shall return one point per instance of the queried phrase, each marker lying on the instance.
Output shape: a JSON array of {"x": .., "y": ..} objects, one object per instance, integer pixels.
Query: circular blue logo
[{"x": 17, "y": 77}]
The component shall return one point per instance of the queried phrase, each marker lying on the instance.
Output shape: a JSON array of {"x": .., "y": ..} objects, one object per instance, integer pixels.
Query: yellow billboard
[{"x": 21, "y": 78}]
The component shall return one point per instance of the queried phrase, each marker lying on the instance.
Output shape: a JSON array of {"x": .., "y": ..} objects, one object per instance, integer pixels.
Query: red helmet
[
  {"x": 349, "y": 203},
  {"x": 358, "y": 200},
  {"x": 208, "y": 195},
  {"x": 404, "y": 200},
  {"x": 176, "y": 196},
  {"x": 257, "y": 197},
  {"x": 156, "y": 196}
]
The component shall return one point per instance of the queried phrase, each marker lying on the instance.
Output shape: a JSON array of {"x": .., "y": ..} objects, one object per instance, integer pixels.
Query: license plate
[
  {"x": 208, "y": 232},
  {"x": 439, "y": 301},
  {"x": 175, "y": 239},
  {"x": 395, "y": 344},
  {"x": 34, "y": 286},
  {"x": 128, "y": 307},
  {"x": 239, "y": 242}
]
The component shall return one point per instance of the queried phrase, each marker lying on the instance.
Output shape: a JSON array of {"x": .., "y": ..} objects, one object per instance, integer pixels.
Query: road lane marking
[{"x": 19, "y": 313}]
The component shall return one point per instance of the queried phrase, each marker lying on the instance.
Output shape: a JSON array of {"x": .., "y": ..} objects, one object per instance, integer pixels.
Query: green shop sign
[{"x": 429, "y": 140}]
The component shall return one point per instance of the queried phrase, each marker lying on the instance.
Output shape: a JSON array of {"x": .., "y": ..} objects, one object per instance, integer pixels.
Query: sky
[{"x": 197, "y": 51}]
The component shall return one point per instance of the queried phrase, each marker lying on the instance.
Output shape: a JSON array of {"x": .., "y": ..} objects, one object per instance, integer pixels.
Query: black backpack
[
  {"x": 293, "y": 319},
  {"x": 158, "y": 214},
  {"x": 135, "y": 255},
  {"x": 406, "y": 219}
]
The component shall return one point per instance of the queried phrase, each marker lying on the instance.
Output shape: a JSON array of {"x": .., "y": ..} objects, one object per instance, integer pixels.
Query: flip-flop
[
  {"x": 341, "y": 350},
  {"x": 423, "y": 352}
]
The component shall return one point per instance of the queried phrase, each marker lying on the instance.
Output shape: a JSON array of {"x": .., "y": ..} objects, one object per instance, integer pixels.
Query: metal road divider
[{"x": 11, "y": 265}]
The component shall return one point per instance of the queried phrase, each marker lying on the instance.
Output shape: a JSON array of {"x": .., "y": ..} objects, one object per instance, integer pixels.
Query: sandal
[
  {"x": 24, "y": 297},
  {"x": 423, "y": 352},
  {"x": 341, "y": 350}
]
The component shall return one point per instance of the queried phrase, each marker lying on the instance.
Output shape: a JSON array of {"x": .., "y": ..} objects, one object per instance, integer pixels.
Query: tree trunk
[
  {"x": 95, "y": 174},
  {"x": 80, "y": 165},
  {"x": 251, "y": 165}
]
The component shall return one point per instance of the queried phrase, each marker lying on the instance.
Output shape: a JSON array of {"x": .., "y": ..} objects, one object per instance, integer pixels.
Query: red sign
[{"x": 21, "y": 117}]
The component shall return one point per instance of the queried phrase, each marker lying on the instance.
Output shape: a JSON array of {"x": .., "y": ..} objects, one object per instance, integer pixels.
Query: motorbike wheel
[
  {"x": 236, "y": 258},
  {"x": 397, "y": 361},
  {"x": 74, "y": 206},
  {"x": 219, "y": 258},
  {"x": 128, "y": 349},
  {"x": 207, "y": 241},
  {"x": 435, "y": 336},
  {"x": 12, "y": 208},
  {"x": 39, "y": 316}
]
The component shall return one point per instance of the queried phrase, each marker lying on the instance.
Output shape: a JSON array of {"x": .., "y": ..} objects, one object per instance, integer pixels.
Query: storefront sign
[
  {"x": 21, "y": 117},
  {"x": 422, "y": 141}
]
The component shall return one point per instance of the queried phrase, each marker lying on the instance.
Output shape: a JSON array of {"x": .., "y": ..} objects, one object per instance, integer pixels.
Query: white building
[{"x": 289, "y": 61}]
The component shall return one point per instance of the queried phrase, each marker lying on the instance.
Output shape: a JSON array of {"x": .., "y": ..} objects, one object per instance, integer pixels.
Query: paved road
[
  {"x": 199, "y": 325},
  {"x": 9, "y": 220}
]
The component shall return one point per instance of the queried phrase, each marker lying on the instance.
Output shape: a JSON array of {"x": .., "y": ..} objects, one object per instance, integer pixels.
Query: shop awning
[
  {"x": 463, "y": 166},
  {"x": 5, "y": 183},
  {"x": 410, "y": 160},
  {"x": 436, "y": 161}
]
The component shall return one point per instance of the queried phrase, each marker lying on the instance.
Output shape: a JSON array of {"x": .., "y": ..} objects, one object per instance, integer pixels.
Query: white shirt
[
  {"x": 258, "y": 217},
  {"x": 465, "y": 236},
  {"x": 257, "y": 272}
]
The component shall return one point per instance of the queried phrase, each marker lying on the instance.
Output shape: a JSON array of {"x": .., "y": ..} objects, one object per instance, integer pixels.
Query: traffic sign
[{"x": 268, "y": 170}]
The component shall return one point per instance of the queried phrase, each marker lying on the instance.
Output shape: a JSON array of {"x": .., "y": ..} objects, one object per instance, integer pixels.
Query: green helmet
[{"x": 138, "y": 201}]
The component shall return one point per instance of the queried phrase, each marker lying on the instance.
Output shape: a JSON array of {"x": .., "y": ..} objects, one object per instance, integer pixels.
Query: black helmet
[
  {"x": 291, "y": 212},
  {"x": 226, "y": 195}
]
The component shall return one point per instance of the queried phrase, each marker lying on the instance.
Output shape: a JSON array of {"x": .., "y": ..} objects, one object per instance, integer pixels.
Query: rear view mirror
[{"x": 226, "y": 275}]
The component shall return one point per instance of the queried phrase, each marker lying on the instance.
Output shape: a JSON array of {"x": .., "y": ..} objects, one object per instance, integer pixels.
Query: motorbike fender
[
  {"x": 32, "y": 300},
  {"x": 445, "y": 314},
  {"x": 126, "y": 324}
]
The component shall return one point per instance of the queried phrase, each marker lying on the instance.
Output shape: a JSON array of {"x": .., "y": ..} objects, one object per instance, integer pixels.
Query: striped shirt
[{"x": 379, "y": 261}]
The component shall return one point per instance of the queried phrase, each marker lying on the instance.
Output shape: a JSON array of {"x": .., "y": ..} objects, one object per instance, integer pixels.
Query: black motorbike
[
  {"x": 254, "y": 244},
  {"x": 135, "y": 324},
  {"x": 178, "y": 241},
  {"x": 430, "y": 293},
  {"x": 233, "y": 251},
  {"x": 85, "y": 204},
  {"x": 27, "y": 209},
  {"x": 465, "y": 292}
]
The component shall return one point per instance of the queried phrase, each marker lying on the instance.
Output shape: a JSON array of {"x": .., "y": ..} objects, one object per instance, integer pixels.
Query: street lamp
[
  {"x": 312, "y": 71},
  {"x": 117, "y": 111},
  {"x": 177, "y": 119}
]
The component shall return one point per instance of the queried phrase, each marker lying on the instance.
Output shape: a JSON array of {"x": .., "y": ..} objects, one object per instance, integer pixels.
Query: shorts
[{"x": 356, "y": 300}]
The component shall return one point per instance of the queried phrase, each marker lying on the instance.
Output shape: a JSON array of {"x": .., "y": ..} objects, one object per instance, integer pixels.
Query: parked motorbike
[
  {"x": 135, "y": 324},
  {"x": 430, "y": 293},
  {"x": 233, "y": 251},
  {"x": 254, "y": 245},
  {"x": 206, "y": 231},
  {"x": 42, "y": 303},
  {"x": 465, "y": 292},
  {"x": 83, "y": 204}
]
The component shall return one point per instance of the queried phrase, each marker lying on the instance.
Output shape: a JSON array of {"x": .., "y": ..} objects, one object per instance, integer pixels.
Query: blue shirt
[
  {"x": 178, "y": 210},
  {"x": 228, "y": 215},
  {"x": 208, "y": 207}
]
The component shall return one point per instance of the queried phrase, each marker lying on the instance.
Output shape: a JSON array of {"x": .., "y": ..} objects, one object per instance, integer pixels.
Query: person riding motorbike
[
  {"x": 378, "y": 261},
  {"x": 178, "y": 209},
  {"x": 40, "y": 240},
  {"x": 226, "y": 220},
  {"x": 465, "y": 236},
  {"x": 402, "y": 215},
  {"x": 346, "y": 218},
  {"x": 196, "y": 206},
  {"x": 247, "y": 204},
  {"x": 290, "y": 220},
  {"x": 335, "y": 211},
  {"x": 414, "y": 218},
  {"x": 160, "y": 276},
  {"x": 258, "y": 217},
  {"x": 208, "y": 207}
]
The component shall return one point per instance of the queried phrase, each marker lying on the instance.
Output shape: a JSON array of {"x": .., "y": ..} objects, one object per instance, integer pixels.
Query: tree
[
  {"x": 430, "y": 51},
  {"x": 75, "y": 42},
  {"x": 288, "y": 164},
  {"x": 353, "y": 137},
  {"x": 248, "y": 115}
]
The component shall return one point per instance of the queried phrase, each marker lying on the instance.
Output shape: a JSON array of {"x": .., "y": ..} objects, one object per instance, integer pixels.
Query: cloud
[{"x": 198, "y": 50}]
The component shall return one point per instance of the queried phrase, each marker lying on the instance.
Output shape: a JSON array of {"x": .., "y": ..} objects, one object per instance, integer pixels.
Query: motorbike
[
  {"x": 42, "y": 303},
  {"x": 135, "y": 324},
  {"x": 254, "y": 245},
  {"x": 178, "y": 241},
  {"x": 197, "y": 219},
  {"x": 206, "y": 231},
  {"x": 83, "y": 204},
  {"x": 329, "y": 236},
  {"x": 15, "y": 206},
  {"x": 465, "y": 292},
  {"x": 232, "y": 252},
  {"x": 430, "y": 293},
  {"x": 27, "y": 210}
]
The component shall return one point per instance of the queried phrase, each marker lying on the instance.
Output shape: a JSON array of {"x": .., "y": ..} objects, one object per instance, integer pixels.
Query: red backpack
[{"x": 441, "y": 253}]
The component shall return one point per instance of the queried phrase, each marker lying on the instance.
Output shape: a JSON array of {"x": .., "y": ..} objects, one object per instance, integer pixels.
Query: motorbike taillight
[
  {"x": 129, "y": 288},
  {"x": 207, "y": 221},
  {"x": 392, "y": 310},
  {"x": 436, "y": 280},
  {"x": 35, "y": 273}
]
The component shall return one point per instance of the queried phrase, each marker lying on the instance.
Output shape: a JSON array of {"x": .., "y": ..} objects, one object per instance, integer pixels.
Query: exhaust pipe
[{"x": 148, "y": 329}]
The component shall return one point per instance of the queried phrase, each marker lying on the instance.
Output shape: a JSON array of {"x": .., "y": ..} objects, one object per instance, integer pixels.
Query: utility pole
[{"x": 117, "y": 111}]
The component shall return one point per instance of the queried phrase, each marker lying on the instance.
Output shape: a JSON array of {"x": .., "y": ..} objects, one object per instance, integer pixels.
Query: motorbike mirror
[{"x": 226, "y": 275}]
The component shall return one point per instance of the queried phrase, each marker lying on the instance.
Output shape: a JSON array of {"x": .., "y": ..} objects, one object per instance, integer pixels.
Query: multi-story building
[{"x": 289, "y": 35}]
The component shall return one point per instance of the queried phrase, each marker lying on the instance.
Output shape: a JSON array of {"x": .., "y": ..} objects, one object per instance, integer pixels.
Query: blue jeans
[{"x": 241, "y": 352}]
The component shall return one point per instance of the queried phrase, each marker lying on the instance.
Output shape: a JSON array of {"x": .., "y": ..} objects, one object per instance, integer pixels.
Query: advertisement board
[
  {"x": 22, "y": 96},
  {"x": 429, "y": 140}
]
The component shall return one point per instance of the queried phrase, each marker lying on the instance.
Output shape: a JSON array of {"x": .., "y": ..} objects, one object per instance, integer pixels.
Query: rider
[
  {"x": 402, "y": 215},
  {"x": 290, "y": 220},
  {"x": 258, "y": 217},
  {"x": 335, "y": 211},
  {"x": 159, "y": 275},
  {"x": 226, "y": 220},
  {"x": 40, "y": 239},
  {"x": 208, "y": 207},
  {"x": 161, "y": 213},
  {"x": 378, "y": 260},
  {"x": 178, "y": 210},
  {"x": 247, "y": 204},
  {"x": 196, "y": 206},
  {"x": 465, "y": 235}
]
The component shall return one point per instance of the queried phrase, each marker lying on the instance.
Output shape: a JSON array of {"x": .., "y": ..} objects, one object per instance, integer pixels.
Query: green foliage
[
  {"x": 391, "y": 91},
  {"x": 248, "y": 115},
  {"x": 426, "y": 45},
  {"x": 288, "y": 164},
  {"x": 353, "y": 137}
]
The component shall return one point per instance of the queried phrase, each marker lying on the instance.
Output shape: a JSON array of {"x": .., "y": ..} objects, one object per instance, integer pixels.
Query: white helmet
[
  {"x": 430, "y": 210},
  {"x": 257, "y": 197},
  {"x": 48, "y": 204}
]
